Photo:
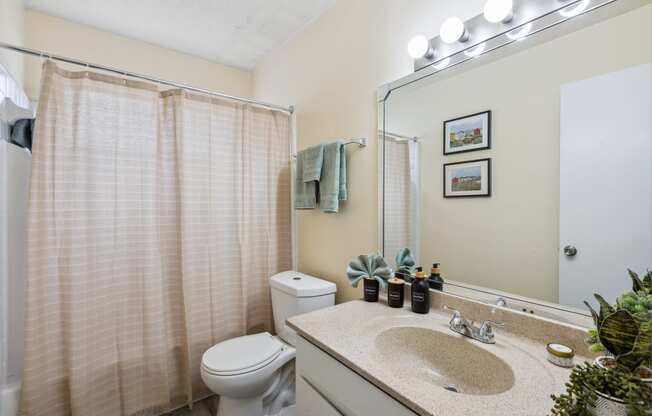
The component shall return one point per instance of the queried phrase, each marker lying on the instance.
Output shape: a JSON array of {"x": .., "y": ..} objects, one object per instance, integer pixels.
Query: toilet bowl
[
  {"x": 242, "y": 370},
  {"x": 250, "y": 371}
]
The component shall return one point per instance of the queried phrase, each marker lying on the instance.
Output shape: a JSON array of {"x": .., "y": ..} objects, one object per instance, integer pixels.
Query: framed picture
[
  {"x": 468, "y": 133},
  {"x": 467, "y": 179}
]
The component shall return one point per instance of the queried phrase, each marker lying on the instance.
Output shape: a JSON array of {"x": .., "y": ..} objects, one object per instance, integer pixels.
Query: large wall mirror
[{"x": 527, "y": 171}]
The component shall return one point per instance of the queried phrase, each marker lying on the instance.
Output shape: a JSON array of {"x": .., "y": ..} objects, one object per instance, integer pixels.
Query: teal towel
[
  {"x": 404, "y": 261},
  {"x": 332, "y": 185},
  {"x": 343, "y": 194},
  {"x": 371, "y": 266},
  {"x": 312, "y": 164},
  {"x": 309, "y": 165}
]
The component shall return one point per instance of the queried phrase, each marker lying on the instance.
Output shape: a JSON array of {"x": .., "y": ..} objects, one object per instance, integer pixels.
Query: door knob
[{"x": 570, "y": 251}]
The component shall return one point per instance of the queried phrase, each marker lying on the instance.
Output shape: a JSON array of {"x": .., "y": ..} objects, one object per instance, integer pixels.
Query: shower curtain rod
[
  {"x": 47, "y": 55},
  {"x": 400, "y": 137}
]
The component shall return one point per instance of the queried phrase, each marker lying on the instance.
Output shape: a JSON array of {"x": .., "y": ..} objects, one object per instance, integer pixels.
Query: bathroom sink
[{"x": 444, "y": 360}]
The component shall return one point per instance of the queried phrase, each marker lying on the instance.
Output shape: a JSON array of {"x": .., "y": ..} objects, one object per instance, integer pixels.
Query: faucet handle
[
  {"x": 456, "y": 314},
  {"x": 486, "y": 328},
  {"x": 457, "y": 321}
]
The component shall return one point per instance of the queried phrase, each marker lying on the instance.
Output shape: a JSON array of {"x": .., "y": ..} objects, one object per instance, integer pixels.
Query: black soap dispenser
[
  {"x": 436, "y": 281},
  {"x": 420, "y": 293}
]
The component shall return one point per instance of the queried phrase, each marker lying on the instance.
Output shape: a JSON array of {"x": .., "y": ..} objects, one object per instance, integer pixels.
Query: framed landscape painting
[
  {"x": 468, "y": 133},
  {"x": 467, "y": 179}
]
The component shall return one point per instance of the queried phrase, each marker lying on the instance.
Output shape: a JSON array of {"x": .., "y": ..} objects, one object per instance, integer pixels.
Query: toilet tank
[{"x": 295, "y": 293}]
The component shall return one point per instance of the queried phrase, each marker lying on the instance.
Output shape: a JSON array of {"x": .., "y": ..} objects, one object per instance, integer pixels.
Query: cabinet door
[
  {"x": 342, "y": 389},
  {"x": 313, "y": 402}
]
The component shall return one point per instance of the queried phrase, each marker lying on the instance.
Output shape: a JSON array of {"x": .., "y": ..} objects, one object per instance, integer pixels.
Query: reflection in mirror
[
  {"x": 571, "y": 166},
  {"x": 402, "y": 189}
]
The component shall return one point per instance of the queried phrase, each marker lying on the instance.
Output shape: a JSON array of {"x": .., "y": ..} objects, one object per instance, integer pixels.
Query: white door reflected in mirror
[{"x": 605, "y": 185}]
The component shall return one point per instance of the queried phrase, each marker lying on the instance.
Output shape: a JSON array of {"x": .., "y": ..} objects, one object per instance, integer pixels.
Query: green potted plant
[
  {"x": 616, "y": 383},
  {"x": 373, "y": 270},
  {"x": 638, "y": 303},
  {"x": 596, "y": 391}
]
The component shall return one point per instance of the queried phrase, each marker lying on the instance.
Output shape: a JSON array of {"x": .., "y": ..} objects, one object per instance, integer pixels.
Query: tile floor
[{"x": 208, "y": 407}]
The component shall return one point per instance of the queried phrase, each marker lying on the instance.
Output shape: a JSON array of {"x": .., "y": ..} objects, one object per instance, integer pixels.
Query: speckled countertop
[{"x": 515, "y": 379}]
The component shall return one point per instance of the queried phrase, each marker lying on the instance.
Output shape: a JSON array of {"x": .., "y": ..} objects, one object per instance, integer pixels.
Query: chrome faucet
[{"x": 484, "y": 333}]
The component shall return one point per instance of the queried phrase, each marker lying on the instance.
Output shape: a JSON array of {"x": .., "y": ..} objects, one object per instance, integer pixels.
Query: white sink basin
[{"x": 444, "y": 360}]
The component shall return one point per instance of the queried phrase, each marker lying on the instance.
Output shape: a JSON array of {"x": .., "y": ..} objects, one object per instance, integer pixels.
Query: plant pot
[
  {"x": 371, "y": 289},
  {"x": 607, "y": 362},
  {"x": 647, "y": 378},
  {"x": 608, "y": 406}
]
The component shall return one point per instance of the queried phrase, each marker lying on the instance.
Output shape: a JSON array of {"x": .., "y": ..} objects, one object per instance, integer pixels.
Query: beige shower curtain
[
  {"x": 399, "y": 197},
  {"x": 155, "y": 220}
]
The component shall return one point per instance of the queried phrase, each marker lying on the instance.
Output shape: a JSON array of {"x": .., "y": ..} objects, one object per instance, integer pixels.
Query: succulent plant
[
  {"x": 637, "y": 303},
  {"x": 641, "y": 285},
  {"x": 370, "y": 266},
  {"x": 588, "y": 378},
  {"x": 405, "y": 262},
  {"x": 625, "y": 335},
  {"x": 625, "y": 329}
]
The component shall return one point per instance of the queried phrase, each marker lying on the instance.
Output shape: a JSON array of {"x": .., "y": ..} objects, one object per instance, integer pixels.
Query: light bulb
[
  {"x": 453, "y": 30},
  {"x": 499, "y": 11},
  {"x": 520, "y": 32},
  {"x": 419, "y": 47},
  {"x": 575, "y": 9}
]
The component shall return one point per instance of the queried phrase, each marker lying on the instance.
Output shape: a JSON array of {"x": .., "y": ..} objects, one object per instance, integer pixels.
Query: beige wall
[
  {"x": 331, "y": 71},
  {"x": 510, "y": 241},
  {"x": 11, "y": 31},
  {"x": 66, "y": 38}
]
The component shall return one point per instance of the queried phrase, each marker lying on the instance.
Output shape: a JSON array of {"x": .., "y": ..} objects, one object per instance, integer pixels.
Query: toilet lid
[{"x": 242, "y": 354}]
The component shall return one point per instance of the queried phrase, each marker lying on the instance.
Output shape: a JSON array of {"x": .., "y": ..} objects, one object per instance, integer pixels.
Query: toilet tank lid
[{"x": 301, "y": 285}]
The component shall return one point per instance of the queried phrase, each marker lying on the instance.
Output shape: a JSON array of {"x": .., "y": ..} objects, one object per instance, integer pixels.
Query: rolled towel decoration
[
  {"x": 371, "y": 266},
  {"x": 404, "y": 261}
]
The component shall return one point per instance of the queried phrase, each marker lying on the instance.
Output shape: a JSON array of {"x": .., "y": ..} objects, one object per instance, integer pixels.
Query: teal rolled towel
[
  {"x": 370, "y": 266},
  {"x": 405, "y": 261}
]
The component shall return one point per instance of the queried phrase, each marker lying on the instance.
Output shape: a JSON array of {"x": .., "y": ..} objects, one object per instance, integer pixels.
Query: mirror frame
[{"x": 544, "y": 28}]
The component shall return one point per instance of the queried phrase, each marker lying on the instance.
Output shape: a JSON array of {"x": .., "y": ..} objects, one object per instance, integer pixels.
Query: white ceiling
[{"x": 232, "y": 32}]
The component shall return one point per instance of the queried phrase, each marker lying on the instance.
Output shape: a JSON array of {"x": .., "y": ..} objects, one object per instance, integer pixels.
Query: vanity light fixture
[
  {"x": 496, "y": 11},
  {"x": 443, "y": 64},
  {"x": 419, "y": 47},
  {"x": 575, "y": 9},
  {"x": 453, "y": 30},
  {"x": 475, "y": 51},
  {"x": 520, "y": 33}
]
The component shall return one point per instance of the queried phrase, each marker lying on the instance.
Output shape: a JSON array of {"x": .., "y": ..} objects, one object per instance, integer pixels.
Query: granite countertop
[{"x": 356, "y": 334}]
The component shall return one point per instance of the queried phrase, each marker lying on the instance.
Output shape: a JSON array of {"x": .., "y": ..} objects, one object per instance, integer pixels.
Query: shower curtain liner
[{"x": 155, "y": 220}]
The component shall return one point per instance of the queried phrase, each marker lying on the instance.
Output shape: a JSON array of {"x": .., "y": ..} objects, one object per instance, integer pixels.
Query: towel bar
[{"x": 362, "y": 142}]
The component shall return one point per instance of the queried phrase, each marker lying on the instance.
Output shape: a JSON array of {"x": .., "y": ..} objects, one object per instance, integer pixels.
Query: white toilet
[{"x": 247, "y": 371}]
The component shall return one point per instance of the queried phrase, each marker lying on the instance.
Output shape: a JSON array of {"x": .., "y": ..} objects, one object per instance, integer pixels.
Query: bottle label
[
  {"x": 370, "y": 290},
  {"x": 394, "y": 295},
  {"x": 418, "y": 297}
]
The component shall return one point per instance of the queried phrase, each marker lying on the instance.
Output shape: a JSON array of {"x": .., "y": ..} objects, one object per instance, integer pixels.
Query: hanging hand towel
[
  {"x": 308, "y": 173},
  {"x": 332, "y": 186},
  {"x": 343, "y": 193},
  {"x": 313, "y": 162}
]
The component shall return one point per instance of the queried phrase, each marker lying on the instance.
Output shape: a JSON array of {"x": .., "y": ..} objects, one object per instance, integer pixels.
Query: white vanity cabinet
[{"x": 326, "y": 387}]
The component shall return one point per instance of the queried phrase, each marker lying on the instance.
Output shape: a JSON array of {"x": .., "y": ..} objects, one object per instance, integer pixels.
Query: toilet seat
[{"x": 241, "y": 355}]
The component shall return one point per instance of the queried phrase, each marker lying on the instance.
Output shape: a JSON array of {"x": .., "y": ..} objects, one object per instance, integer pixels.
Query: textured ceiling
[{"x": 232, "y": 32}]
